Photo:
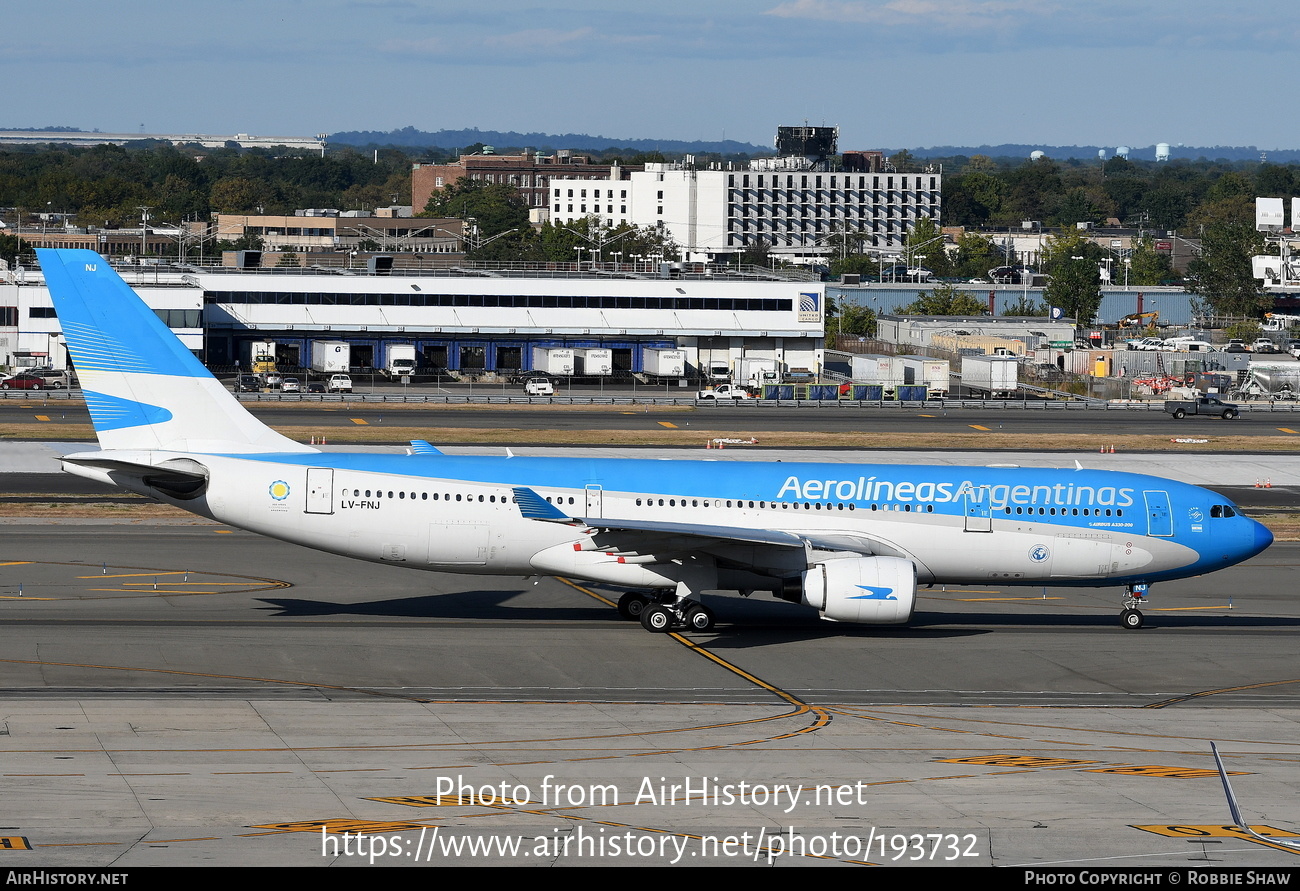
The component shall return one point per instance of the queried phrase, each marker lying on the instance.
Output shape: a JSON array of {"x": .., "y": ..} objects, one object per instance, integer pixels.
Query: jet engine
[{"x": 870, "y": 590}]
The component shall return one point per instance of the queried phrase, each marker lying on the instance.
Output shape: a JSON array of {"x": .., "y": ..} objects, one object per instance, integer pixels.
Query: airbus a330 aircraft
[{"x": 851, "y": 541}]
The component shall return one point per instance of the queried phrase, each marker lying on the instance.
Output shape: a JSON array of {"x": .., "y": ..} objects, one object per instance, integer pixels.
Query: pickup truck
[
  {"x": 1205, "y": 405},
  {"x": 725, "y": 391},
  {"x": 339, "y": 383}
]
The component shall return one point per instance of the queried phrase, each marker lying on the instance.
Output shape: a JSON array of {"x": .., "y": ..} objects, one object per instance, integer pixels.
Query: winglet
[
  {"x": 534, "y": 507},
  {"x": 422, "y": 447}
]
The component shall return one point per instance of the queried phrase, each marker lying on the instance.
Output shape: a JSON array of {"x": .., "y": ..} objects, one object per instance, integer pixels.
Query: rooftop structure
[{"x": 529, "y": 172}]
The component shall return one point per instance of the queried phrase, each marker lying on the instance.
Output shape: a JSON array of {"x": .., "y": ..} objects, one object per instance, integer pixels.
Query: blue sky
[{"x": 889, "y": 73}]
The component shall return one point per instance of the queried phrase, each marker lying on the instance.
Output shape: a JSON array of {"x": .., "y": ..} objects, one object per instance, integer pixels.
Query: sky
[{"x": 888, "y": 73}]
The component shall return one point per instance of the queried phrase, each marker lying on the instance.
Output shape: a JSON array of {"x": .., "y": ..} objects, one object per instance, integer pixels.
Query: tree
[
  {"x": 495, "y": 207},
  {"x": 944, "y": 300},
  {"x": 1147, "y": 266},
  {"x": 237, "y": 194},
  {"x": 12, "y": 247},
  {"x": 1075, "y": 284},
  {"x": 854, "y": 318},
  {"x": 1223, "y": 275},
  {"x": 1027, "y": 306},
  {"x": 925, "y": 247},
  {"x": 976, "y": 255}
]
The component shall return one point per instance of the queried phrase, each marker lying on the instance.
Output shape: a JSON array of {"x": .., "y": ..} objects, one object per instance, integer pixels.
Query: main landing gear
[
  {"x": 663, "y": 612},
  {"x": 1135, "y": 595}
]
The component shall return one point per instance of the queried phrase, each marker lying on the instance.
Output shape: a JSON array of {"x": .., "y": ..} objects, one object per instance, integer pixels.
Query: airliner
[{"x": 852, "y": 541}]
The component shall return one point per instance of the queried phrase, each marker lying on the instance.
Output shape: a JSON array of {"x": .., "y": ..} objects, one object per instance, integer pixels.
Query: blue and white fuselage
[{"x": 852, "y": 541}]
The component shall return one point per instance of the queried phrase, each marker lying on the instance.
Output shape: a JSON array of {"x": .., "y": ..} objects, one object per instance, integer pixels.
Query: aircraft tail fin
[{"x": 143, "y": 388}]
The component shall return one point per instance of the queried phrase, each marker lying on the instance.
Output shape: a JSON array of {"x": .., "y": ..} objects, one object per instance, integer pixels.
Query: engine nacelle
[{"x": 870, "y": 590}]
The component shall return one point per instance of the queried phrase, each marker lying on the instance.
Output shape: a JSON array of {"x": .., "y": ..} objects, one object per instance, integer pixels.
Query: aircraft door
[
  {"x": 979, "y": 513},
  {"x": 1160, "y": 520},
  {"x": 595, "y": 502},
  {"x": 320, "y": 490}
]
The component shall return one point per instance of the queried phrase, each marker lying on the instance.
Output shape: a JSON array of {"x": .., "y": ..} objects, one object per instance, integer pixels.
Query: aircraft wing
[{"x": 534, "y": 507}]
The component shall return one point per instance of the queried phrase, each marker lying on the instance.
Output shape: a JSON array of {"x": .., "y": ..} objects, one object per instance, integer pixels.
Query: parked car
[
  {"x": 316, "y": 388},
  {"x": 901, "y": 273},
  {"x": 1264, "y": 345},
  {"x": 290, "y": 385},
  {"x": 248, "y": 383},
  {"x": 1236, "y": 345},
  {"x": 339, "y": 383},
  {"x": 24, "y": 381},
  {"x": 54, "y": 378},
  {"x": 1013, "y": 275},
  {"x": 1046, "y": 371},
  {"x": 538, "y": 386},
  {"x": 272, "y": 379}
]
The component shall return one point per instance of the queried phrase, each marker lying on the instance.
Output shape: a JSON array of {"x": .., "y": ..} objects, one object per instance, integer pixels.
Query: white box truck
[
  {"x": 400, "y": 360},
  {"x": 756, "y": 373},
  {"x": 658, "y": 362},
  {"x": 330, "y": 356},
  {"x": 934, "y": 373},
  {"x": 887, "y": 371},
  {"x": 594, "y": 362},
  {"x": 553, "y": 360},
  {"x": 995, "y": 376}
]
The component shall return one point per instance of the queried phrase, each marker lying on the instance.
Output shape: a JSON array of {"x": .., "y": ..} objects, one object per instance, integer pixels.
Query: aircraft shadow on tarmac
[
  {"x": 482, "y": 604},
  {"x": 743, "y": 623},
  {"x": 1155, "y": 620}
]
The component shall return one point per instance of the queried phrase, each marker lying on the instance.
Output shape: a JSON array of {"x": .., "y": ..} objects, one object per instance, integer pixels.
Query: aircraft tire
[
  {"x": 700, "y": 619},
  {"x": 1131, "y": 619},
  {"x": 656, "y": 619},
  {"x": 632, "y": 604}
]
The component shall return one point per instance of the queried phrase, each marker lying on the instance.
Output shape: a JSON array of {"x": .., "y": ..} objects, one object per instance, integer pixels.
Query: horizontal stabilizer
[{"x": 534, "y": 507}]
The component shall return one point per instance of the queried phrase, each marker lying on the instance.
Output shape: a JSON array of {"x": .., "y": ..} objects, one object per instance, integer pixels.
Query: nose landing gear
[{"x": 1135, "y": 595}]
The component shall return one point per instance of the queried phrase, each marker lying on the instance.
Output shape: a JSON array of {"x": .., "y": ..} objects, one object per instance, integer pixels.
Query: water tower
[{"x": 1162, "y": 151}]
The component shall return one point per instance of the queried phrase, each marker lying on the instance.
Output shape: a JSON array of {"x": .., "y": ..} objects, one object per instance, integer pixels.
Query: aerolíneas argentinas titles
[{"x": 851, "y": 541}]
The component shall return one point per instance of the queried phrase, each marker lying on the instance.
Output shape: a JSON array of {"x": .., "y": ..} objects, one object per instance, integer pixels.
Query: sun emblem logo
[{"x": 279, "y": 490}]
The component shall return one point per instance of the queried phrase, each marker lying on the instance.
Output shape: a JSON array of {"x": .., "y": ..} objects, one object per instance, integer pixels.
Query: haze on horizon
[{"x": 888, "y": 73}]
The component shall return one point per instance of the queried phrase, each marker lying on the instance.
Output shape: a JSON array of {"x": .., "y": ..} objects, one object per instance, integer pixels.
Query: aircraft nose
[{"x": 1262, "y": 538}]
